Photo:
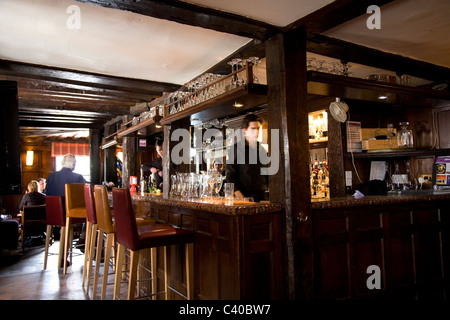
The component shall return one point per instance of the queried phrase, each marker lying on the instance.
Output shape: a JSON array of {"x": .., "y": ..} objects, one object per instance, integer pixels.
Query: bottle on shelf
[
  {"x": 405, "y": 136},
  {"x": 142, "y": 182},
  {"x": 397, "y": 178},
  {"x": 319, "y": 179}
]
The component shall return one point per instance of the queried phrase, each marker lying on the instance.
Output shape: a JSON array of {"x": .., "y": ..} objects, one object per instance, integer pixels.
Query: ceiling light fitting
[{"x": 109, "y": 144}]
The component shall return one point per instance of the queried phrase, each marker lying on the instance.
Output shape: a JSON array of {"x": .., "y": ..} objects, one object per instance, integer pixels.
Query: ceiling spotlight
[
  {"x": 238, "y": 105},
  {"x": 158, "y": 124},
  {"x": 382, "y": 97}
]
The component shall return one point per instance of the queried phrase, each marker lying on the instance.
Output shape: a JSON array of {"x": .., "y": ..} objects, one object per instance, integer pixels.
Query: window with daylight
[{"x": 80, "y": 150}]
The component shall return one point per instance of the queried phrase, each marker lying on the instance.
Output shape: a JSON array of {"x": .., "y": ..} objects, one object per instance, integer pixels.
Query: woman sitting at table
[{"x": 32, "y": 196}]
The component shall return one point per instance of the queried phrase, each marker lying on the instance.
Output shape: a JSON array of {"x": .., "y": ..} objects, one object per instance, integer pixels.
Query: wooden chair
[
  {"x": 75, "y": 213},
  {"x": 34, "y": 220},
  {"x": 138, "y": 238},
  {"x": 91, "y": 234},
  {"x": 55, "y": 217}
]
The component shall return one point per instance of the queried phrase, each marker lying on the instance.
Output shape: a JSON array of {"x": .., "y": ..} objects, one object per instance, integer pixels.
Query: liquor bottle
[{"x": 142, "y": 182}]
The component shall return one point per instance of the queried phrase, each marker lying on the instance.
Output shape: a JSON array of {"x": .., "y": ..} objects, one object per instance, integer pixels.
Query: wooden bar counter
[
  {"x": 238, "y": 249},
  {"x": 406, "y": 236}
]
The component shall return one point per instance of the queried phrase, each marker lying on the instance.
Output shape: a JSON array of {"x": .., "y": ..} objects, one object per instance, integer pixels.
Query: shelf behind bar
[
  {"x": 251, "y": 95},
  {"x": 399, "y": 153},
  {"x": 135, "y": 127},
  {"x": 326, "y": 84}
]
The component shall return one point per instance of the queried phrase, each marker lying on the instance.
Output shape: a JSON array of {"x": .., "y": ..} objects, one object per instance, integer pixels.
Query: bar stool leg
[
  {"x": 86, "y": 251},
  {"x": 91, "y": 255},
  {"x": 61, "y": 247},
  {"x": 109, "y": 243},
  {"x": 119, "y": 263},
  {"x": 134, "y": 260},
  {"x": 154, "y": 270},
  {"x": 166, "y": 276},
  {"x": 189, "y": 270},
  {"x": 98, "y": 259},
  {"x": 66, "y": 243},
  {"x": 47, "y": 244}
]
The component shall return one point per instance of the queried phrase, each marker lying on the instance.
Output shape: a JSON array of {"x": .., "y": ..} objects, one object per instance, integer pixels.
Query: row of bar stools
[
  {"x": 136, "y": 238},
  {"x": 91, "y": 235}
]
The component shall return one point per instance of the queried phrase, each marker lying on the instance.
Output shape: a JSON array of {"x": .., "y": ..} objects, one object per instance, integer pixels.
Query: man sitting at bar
[
  {"x": 56, "y": 182},
  {"x": 247, "y": 178}
]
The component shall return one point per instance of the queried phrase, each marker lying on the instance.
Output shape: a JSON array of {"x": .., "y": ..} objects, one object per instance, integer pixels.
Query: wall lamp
[{"x": 30, "y": 158}]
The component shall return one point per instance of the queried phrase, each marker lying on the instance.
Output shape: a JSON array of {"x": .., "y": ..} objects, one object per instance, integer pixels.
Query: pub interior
[{"x": 354, "y": 105}]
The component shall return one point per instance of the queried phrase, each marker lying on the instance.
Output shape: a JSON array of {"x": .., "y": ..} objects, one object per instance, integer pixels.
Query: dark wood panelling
[
  {"x": 407, "y": 242},
  {"x": 236, "y": 257}
]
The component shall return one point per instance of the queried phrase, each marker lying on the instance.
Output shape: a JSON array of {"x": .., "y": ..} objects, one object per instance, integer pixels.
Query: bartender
[
  {"x": 155, "y": 167},
  {"x": 247, "y": 178}
]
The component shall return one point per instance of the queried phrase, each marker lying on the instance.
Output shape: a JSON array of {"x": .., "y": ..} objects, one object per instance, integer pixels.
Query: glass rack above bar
[{"x": 206, "y": 97}]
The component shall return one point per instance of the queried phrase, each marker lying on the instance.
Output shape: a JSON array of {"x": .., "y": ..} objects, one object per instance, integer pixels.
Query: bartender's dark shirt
[
  {"x": 156, "y": 163},
  {"x": 247, "y": 177},
  {"x": 32, "y": 199}
]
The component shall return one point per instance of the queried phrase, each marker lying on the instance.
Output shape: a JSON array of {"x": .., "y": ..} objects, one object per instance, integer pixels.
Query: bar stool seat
[
  {"x": 55, "y": 217},
  {"x": 75, "y": 208},
  {"x": 137, "y": 238}
]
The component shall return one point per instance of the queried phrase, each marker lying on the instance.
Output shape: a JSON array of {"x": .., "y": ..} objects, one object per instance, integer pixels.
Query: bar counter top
[
  {"x": 350, "y": 201},
  {"x": 216, "y": 205}
]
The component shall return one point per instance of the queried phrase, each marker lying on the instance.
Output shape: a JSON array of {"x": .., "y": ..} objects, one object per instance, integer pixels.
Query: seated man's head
[{"x": 69, "y": 161}]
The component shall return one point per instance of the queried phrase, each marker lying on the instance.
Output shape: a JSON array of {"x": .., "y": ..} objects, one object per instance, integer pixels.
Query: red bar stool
[
  {"x": 137, "y": 238},
  {"x": 75, "y": 213},
  {"x": 91, "y": 232},
  {"x": 106, "y": 225},
  {"x": 55, "y": 217}
]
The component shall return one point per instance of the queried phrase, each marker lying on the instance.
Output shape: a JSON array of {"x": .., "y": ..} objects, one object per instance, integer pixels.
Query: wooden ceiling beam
[
  {"x": 92, "y": 80},
  {"x": 45, "y": 85},
  {"x": 332, "y": 15},
  {"x": 194, "y": 15},
  {"x": 59, "y": 124},
  {"x": 56, "y": 107},
  {"x": 351, "y": 52}
]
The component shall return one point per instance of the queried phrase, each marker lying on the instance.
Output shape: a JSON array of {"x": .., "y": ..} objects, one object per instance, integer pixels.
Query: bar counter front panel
[
  {"x": 238, "y": 249},
  {"x": 407, "y": 237}
]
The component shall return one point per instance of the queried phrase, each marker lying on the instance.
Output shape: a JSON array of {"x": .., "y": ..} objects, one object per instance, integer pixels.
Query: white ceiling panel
[
  {"x": 279, "y": 13},
  {"x": 111, "y": 42},
  {"x": 417, "y": 29}
]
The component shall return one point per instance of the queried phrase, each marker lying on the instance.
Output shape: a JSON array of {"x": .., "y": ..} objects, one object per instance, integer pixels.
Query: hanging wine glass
[
  {"x": 234, "y": 68},
  {"x": 345, "y": 68},
  {"x": 310, "y": 66},
  {"x": 254, "y": 61},
  {"x": 321, "y": 66},
  {"x": 335, "y": 68},
  {"x": 242, "y": 75}
]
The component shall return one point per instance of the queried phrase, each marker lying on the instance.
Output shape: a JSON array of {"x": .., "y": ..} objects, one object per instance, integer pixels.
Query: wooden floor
[{"x": 22, "y": 277}]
